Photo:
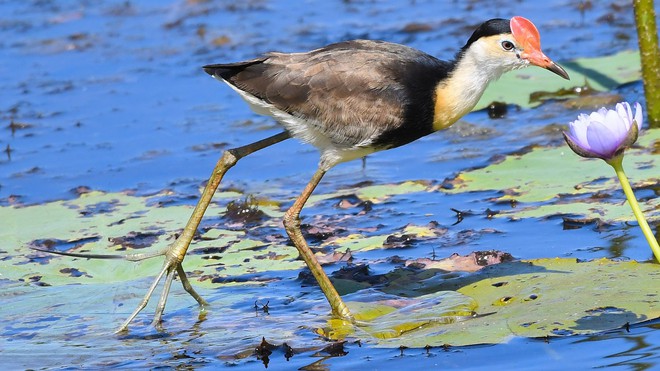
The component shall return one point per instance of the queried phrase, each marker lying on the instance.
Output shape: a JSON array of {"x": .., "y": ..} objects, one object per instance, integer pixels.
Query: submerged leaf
[
  {"x": 468, "y": 263},
  {"x": 537, "y": 298}
]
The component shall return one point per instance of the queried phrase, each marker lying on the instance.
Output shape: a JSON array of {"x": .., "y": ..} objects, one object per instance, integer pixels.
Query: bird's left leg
[
  {"x": 292, "y": 226},
  {"x": 176, "y": 252}
]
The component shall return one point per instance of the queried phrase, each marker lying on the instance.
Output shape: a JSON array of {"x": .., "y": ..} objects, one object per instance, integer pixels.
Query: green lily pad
[
  {"x": 102, "y": 223},
  {"x": 601, "y": 74},
  {"x": 374, "y": 193},
  {"x": 551, "y": 297},
  {"x": 358, "y": 242},
  {"x": 536, "y": 298},
  {"x": 378, "y": 193},
  {"x": 120, "y": 223},
  {"x": 551, "y": 181}
]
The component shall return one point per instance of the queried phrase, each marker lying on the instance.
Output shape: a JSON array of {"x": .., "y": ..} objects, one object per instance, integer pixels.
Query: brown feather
[{"x": 352, "y": 92}]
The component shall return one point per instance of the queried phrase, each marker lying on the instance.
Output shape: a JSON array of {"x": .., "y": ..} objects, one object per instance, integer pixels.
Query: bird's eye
[{"x": 507, "y": 45}]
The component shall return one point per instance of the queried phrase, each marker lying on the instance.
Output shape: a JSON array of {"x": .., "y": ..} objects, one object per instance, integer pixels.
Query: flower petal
[
  {"x": 616, "y": 124},
  {"x": 629, "y": 140},
  {"x": 624, "y": 111},
  {"x": 598, "y": 116},
  {"x": 639, "y": 115},
  {"x": 577, "y": 148},
  {"x": 601, "y": 140},
  {"x": 578, "y": 130}
]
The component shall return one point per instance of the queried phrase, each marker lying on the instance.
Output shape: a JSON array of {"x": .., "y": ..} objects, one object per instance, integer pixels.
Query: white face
[
  {"x": 497, "y": 54},
  {"x": 507, "y": 49},
  {"x": 502, "y": 53}
]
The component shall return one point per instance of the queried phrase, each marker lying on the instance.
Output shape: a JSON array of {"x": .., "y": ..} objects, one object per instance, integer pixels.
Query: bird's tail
[{"x": 228, "y": 70}]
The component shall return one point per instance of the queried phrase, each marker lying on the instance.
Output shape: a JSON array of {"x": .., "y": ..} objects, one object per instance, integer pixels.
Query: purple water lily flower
[{"x": 605, "y": 133}]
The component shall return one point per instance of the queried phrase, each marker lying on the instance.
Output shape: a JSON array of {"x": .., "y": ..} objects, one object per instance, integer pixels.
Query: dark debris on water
[
  {"x": 136, "y": 240},
  {"x": 245, "y": 211},
  {"x": 265, "y": 350}
]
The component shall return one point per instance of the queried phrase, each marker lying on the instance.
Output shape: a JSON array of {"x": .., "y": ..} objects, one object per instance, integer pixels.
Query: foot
[{"x": 173, "y": 258}]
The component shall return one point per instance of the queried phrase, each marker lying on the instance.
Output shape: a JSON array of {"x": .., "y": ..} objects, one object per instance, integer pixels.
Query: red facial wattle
[
  {"x": 528, "y": 38},
  {"x": 525, "y": 33}
]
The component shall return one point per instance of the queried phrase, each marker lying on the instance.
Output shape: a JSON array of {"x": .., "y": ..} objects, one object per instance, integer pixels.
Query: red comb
[{"x": 525, "y": 33}]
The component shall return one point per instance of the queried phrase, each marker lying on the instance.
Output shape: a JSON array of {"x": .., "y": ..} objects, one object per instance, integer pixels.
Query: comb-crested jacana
[{"x": 351, "y": 99}]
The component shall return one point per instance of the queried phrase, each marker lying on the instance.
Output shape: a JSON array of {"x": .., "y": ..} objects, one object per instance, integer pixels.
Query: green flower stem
[
  {"x": 617, "y": 164},
  {"x": 647, "y": 35}
]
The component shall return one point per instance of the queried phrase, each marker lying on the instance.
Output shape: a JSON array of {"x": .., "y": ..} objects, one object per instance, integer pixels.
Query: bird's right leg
[
  {"x": 292, "y": 227},
  {"x": 176, "y": 252}
]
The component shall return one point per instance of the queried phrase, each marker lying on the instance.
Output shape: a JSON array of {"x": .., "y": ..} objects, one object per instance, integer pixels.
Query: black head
[{"x": 491, "y": 27}]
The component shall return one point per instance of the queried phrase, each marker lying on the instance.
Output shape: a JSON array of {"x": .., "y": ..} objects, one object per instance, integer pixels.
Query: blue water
[
  {"x": 116, "y": 99},
  {"x": 110, "y": 95}
]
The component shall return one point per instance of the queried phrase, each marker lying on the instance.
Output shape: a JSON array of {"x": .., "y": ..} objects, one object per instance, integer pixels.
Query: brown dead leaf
[
  {"x": 466, "y": 263},
  {"x": 335, "y": 257}
]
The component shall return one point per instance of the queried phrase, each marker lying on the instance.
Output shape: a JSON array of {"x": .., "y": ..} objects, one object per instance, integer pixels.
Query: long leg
[
  {"x": 176, "y": 252},
  {"x": 292, "y": 226}
]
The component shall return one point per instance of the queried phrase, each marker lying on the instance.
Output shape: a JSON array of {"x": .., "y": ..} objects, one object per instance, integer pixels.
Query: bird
[{"x": 351, "y": 99}]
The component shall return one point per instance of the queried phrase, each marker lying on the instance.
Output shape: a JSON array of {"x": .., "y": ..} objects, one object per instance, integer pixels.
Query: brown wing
[{"x": 352, "y": 92}]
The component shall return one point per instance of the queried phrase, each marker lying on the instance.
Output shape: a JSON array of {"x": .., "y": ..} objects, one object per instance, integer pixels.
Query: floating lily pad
[
  {"x": 374, "y": 193},
  {"x": 120, "y": 224},
  {"x": 551, "y": 297},
  {"x": 550, "y": 181},
  {"x": 536, "y": 298},
  {"x": 99, "y": 223}
]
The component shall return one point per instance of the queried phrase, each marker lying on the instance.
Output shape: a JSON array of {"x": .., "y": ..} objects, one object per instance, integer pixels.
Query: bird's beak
[
  {"x": 528, "y": 38},
  {"x": 537, "y": 58}
]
